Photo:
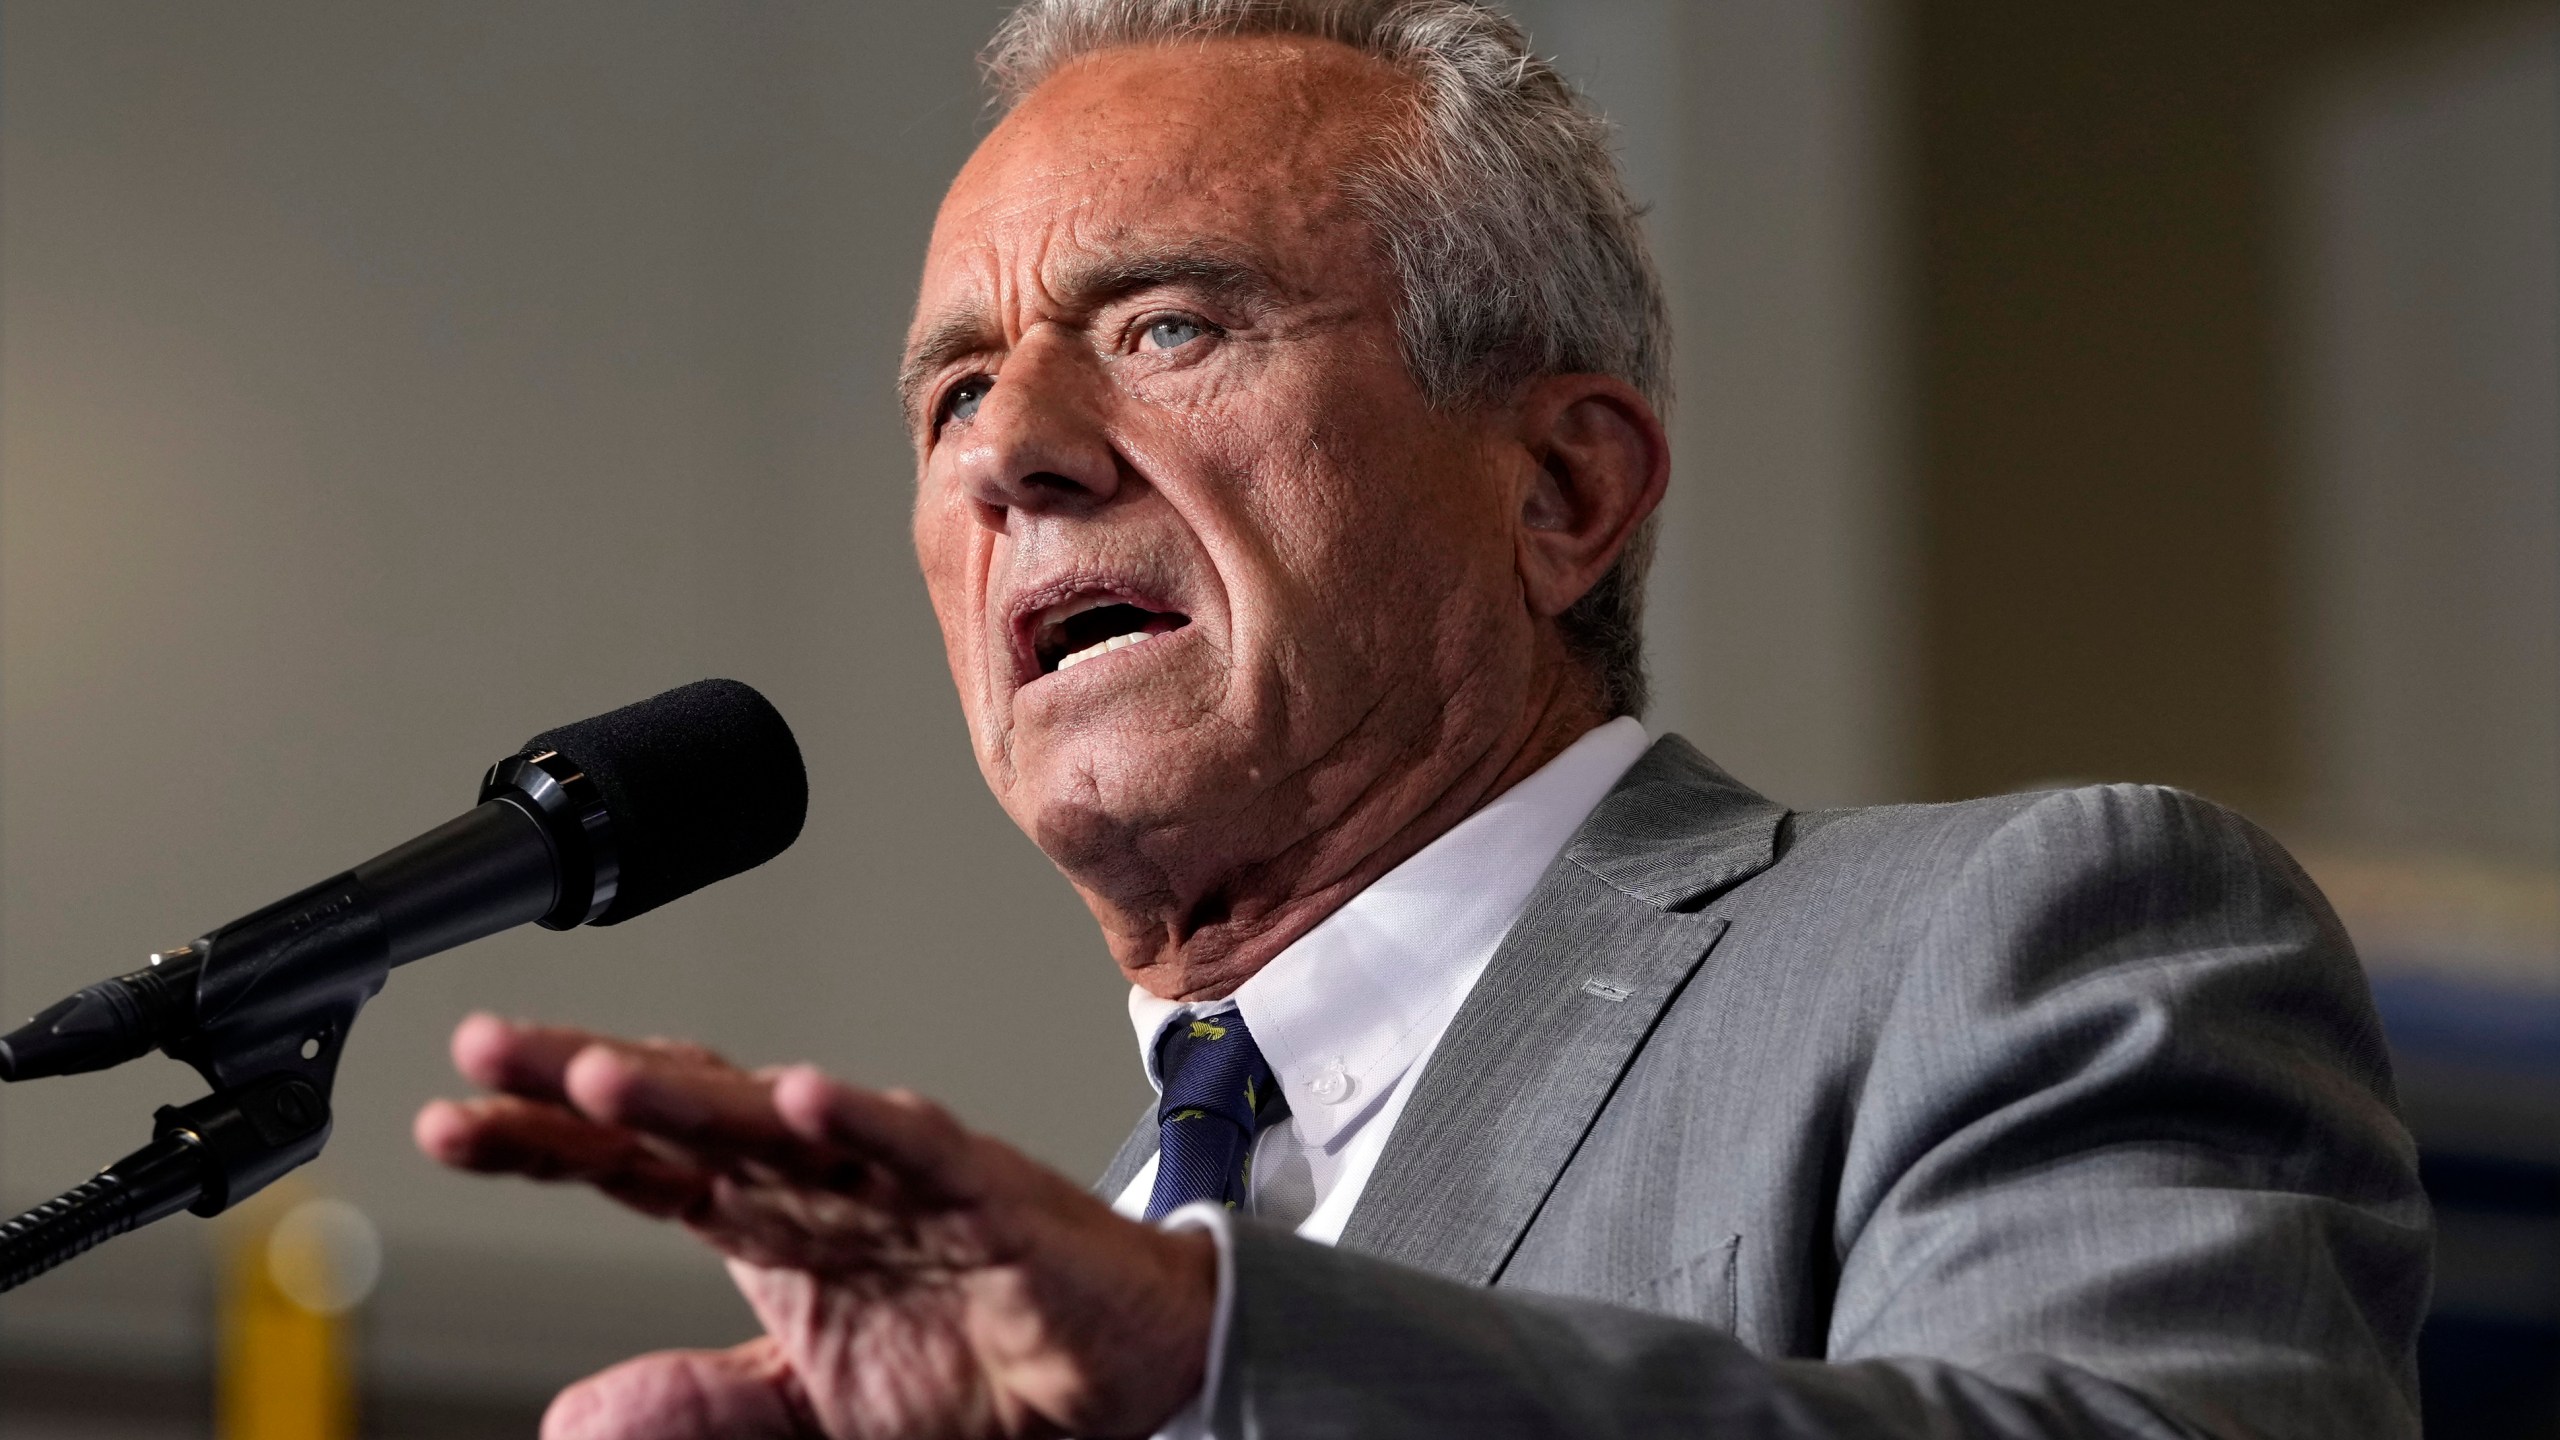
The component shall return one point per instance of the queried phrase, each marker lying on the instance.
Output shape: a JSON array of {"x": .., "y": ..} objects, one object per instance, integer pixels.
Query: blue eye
[
  {"x": 1175, "y": 331},
  {"x": 962, "y": 402}
]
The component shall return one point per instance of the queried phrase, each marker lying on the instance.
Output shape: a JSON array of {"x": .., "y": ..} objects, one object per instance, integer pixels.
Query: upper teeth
[
  {"x": 1116, "y": 642},
  {"x": 1079, "y": 605}
]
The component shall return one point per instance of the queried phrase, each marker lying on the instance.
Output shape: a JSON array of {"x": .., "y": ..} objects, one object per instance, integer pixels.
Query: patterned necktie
[{"x": 1218, "y": 1094}]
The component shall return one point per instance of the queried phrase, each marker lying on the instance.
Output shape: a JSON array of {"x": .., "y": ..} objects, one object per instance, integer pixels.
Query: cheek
[
  {"x": 942, "y": 560},
  {"x": 1379, "y": 536},
  {"x": 1353, "y": 528},
  {"x": 950, "y": 551}
]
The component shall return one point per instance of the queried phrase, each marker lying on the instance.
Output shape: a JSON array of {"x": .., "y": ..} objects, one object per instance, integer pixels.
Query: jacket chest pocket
[{"x": 1700, "y": 1288}]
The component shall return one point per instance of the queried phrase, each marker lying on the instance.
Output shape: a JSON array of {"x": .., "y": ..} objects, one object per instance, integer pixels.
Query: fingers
[
  {"x": 533, "y": 1060},
  {"x": 712, "y": 1106},
  {"x": 711, "y": 1110},
  {"x": 747, "y": 1393},
  {"x": 518, "y": 1059},
  {"x": 911, "y": 1136},
  {"x": 581, "y": 1103},
  {"x": 583, "y": 1106},
  {"x": 511, "y": 1136}
]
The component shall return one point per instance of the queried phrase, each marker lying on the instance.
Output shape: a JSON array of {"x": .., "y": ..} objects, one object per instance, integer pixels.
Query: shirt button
[{"x": 1332, "y": 1084}]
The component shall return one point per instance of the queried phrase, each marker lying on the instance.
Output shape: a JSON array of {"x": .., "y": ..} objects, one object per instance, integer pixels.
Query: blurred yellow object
[{"x": 295, "y": 1267}]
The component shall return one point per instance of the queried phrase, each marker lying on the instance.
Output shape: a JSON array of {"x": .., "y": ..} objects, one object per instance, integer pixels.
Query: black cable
[{"x": 159, "y": 1179}]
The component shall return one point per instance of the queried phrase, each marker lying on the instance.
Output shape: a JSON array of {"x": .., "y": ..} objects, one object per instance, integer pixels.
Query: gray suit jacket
[{"x": 2045, "y": 1115}]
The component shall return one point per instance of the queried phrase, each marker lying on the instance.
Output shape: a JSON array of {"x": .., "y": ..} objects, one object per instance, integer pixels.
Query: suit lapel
[
  {"x": 1133, "y": 1155},
  {"x": 1610, "y": 935}
]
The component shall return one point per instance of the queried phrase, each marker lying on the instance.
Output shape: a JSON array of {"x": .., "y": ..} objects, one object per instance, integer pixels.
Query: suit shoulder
[
  {"x": 2113, "y": 827},
  {"x": 2035, "y": 882}
]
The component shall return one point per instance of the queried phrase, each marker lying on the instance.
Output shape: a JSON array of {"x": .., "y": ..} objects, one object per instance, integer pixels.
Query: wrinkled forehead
[{"x": 1242, "y": 146}]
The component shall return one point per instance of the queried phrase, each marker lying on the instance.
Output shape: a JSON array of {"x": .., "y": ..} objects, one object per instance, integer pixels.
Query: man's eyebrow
[
  {"x": 1099, "y": 279},
  {"x": 1083, "y": 285}
]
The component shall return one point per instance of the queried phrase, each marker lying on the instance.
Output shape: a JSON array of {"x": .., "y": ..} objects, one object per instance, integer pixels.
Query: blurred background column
[
  {"x": 2424, "y": 204},
  {"x": 2425, "y": 218}
]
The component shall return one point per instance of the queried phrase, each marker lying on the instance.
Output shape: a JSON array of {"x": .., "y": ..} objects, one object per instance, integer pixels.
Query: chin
[{"x": 1120, "y": 806}]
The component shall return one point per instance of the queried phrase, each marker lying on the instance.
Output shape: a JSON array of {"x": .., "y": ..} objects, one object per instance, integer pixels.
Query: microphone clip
[
  {"x": 264, "y": 1032},
  {"x": 261, "y": 1008}
]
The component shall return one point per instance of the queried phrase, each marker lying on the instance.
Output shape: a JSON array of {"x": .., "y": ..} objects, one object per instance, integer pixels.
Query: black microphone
[{"x": 591, "y": 823}]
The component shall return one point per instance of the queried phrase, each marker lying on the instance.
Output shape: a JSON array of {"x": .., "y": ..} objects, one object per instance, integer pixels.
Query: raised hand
[{"x": 913, "y": 1278}]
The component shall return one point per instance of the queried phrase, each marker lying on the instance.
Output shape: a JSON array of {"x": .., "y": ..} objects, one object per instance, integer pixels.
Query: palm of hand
[
  {"x": 873, "y": 1326},
  {"x": 912, "y": 1279}
]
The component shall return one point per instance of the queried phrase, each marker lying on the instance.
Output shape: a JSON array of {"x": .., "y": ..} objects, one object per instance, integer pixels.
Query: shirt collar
[{"x": 1348, "y": 1007}]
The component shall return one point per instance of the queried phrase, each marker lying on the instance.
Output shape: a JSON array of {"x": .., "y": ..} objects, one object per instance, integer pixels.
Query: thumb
[{"x": 745, "y": 1393}]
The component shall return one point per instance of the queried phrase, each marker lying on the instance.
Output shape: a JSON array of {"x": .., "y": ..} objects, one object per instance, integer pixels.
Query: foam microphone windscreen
[{"x": 702, "y": 782}]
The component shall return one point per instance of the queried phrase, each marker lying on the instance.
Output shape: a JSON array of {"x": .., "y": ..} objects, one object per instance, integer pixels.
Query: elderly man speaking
[{"x": 1285, "y": 386}]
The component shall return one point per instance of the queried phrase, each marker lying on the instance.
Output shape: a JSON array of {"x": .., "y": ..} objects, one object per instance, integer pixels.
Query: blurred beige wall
[{"x": 1761, "y": 135}]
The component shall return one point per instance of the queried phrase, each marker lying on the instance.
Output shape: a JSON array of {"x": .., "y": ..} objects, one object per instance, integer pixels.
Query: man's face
[{"x": 1206, "y": 564}]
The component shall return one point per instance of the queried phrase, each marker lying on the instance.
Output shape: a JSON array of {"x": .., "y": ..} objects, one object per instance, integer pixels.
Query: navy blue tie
[{"x": 1218, "y": 1094}]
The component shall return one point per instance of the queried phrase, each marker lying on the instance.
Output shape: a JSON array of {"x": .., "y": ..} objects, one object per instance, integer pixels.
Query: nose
[{"x": 1038, "y": 445}]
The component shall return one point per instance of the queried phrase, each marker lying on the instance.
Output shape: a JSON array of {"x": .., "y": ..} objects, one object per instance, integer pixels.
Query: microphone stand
[
  {"x": 264, "y": 1030},
  {"x": 261, "y": 1007},
  {"x": 202, "y": 1157}
]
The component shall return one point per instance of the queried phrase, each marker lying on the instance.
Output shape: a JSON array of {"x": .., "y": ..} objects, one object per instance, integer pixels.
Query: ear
[{"x": 1598, "y": 464}]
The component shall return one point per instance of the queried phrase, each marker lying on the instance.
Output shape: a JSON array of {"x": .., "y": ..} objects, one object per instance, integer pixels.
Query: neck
[{"x": 1214, "y": 941}]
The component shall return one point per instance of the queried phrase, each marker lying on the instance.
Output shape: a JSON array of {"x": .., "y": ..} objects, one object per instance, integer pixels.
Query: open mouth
[{"x": 1094, "y": 626}]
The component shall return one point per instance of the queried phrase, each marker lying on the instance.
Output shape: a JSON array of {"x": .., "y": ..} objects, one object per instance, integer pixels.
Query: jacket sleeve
[{"x": 2124, "y": 1163}]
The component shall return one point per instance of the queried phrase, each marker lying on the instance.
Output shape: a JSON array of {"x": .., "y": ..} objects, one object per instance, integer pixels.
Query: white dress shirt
[{"x": 1349, "y": 1014}]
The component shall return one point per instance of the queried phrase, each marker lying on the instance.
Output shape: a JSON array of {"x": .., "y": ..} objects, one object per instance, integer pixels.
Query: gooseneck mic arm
[
  {"x": 594, "y": 822},
  {"x": 154, "y": 1182}
]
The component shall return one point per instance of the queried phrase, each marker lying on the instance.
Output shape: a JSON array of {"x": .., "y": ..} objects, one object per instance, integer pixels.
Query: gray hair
[{"x": 1517, "y": 249}]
